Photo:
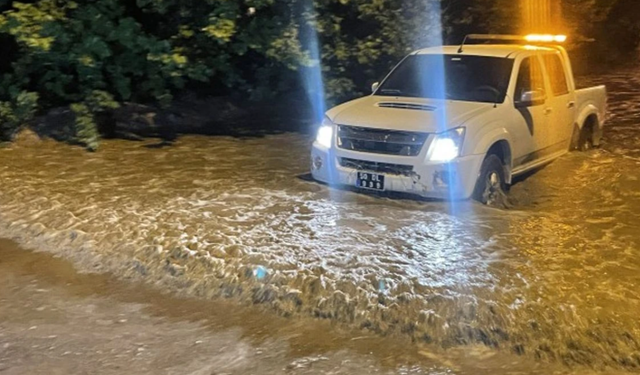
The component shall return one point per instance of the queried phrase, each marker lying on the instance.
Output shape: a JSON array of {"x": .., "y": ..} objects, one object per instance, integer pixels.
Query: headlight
[
  {"x": 325, "y": 133},
  {"x": 447, "y": 146}
]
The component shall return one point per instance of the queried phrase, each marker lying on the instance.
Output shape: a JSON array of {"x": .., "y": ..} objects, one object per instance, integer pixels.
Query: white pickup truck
[{"x": 456, "y": 122}]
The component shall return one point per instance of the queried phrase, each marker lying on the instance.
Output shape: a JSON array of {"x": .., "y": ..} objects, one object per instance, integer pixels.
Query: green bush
[
  {"x": 93, "y": 55},
  {"x": 16, "y": 112},
  {"x": 90, "y": 55}
]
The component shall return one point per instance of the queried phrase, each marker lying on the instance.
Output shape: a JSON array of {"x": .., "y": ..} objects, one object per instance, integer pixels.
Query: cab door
[
  {"x": 530, "y": 101},
  {"x": 561, "y": 103}
]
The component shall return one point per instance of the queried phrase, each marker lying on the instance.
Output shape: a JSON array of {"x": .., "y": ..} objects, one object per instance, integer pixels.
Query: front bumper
[{"x": 454, "y": 180}]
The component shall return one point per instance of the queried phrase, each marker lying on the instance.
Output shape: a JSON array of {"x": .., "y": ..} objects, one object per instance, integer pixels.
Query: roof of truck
[{"x": 491, "y": 50}]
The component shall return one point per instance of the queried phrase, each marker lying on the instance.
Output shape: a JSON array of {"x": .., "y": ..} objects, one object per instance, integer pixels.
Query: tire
[
  {"x": 585, "y": 140},
  {"x": 575, "y": 138},
  {"x": 491, "y": 185}
]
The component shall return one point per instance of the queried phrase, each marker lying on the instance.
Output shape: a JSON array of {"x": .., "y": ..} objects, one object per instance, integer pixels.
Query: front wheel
[{"x": 491, "y": 184}]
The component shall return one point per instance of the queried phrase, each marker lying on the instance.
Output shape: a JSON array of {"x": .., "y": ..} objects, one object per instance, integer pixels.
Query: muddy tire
[
  {"x": 491, "y": 185},
  {"x": 575, "y": 138},
  {"x": 585, "y": 139}
]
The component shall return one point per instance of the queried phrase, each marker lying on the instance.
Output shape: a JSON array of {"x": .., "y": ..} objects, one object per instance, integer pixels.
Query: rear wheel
[
  {"x": 491, "y": 184},
  {"x": 575, "y": 138},
  {"x": 585, "y": 140}
]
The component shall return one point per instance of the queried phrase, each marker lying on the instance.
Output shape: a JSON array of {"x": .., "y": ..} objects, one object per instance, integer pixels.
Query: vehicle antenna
[{"x": 461, "y": 49}]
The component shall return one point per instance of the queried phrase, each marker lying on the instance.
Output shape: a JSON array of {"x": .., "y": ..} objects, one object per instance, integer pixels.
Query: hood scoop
[{"x": 412, "y": 106}]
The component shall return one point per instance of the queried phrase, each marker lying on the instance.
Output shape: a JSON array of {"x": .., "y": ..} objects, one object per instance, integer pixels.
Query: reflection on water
[{"x": 553, "y": 278}]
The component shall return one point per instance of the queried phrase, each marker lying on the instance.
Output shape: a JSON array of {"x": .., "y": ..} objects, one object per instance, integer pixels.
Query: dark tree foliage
[{"x": 93, "y": 55}]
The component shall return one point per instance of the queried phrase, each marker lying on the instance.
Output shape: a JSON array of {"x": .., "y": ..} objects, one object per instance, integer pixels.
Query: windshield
[{"x": 466, "y": 78}]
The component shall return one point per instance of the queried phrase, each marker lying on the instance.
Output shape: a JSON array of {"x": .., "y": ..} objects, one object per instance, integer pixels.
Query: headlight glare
[
  {"x": 447, "y": 146},
  {"x": 324, "y": 136}
]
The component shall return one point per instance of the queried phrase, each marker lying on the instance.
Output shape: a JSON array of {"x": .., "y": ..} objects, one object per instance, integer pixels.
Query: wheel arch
[
  {"x": 499, "y": 143},
  {"x": 589, "y": 116}
]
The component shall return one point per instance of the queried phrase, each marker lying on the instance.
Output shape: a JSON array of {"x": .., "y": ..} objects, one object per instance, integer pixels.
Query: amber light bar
[
  {"x": 540, "y": 38},
  {"x": 545, "y": 38},
  {"x": 531, "y": 38}
]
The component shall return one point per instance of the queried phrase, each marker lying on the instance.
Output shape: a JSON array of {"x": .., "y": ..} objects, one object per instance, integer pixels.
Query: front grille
[
  {"x": 380, "y": 141},
  {"x": 372, "y": 166}
]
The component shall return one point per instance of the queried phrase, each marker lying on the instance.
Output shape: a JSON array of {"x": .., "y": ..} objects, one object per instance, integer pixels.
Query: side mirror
[
  {"x": 531, "y": 98},
  {"x": 375, "y": 86}
]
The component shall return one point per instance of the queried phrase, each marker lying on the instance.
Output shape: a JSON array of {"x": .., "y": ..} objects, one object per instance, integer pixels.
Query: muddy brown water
[
  {"x": 552, "y": 279},
  {"x": 55, "y": 320}
]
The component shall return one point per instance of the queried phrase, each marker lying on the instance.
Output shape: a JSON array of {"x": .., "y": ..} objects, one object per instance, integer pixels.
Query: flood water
[
  {"x": 554, "y": 278},
  {"x": 55, "y": 320}
]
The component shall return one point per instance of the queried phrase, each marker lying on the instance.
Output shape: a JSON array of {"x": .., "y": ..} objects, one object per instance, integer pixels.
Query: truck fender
[
  {"x": 498, "y": 134},
  {"x": 586, "y": 112}
]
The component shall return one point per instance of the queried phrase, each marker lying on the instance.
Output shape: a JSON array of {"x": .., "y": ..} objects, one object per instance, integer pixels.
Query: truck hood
[{"x": 406, "y": 114}]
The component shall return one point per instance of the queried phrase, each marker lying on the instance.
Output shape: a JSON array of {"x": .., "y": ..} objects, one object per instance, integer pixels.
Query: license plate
[{"x": 370, "y": 181}]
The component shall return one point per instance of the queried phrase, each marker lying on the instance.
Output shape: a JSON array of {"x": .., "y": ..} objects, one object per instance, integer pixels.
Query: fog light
[{"x": 317, "y": 163}]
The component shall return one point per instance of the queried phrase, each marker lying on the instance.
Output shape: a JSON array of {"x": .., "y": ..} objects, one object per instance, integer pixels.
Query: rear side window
[
  {"x": 557, "y": 76},
  {"x": 530, "y": 77}
]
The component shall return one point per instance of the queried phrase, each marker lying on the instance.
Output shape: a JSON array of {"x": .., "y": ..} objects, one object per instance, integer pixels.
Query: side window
[
  {"x": 557, "y": 76},
  {"x": 530, "y": 80}
]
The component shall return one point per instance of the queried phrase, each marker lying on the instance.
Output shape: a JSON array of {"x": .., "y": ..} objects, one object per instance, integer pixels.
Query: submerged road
[
  {"x": 553, "y": 279},
  {"x": 54, "y": 320}
]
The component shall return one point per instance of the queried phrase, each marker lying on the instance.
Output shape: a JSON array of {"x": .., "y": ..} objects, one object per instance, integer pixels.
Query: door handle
[
  {"x": 548, "y": 110},
  {"x": 571, "y": 105}
]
